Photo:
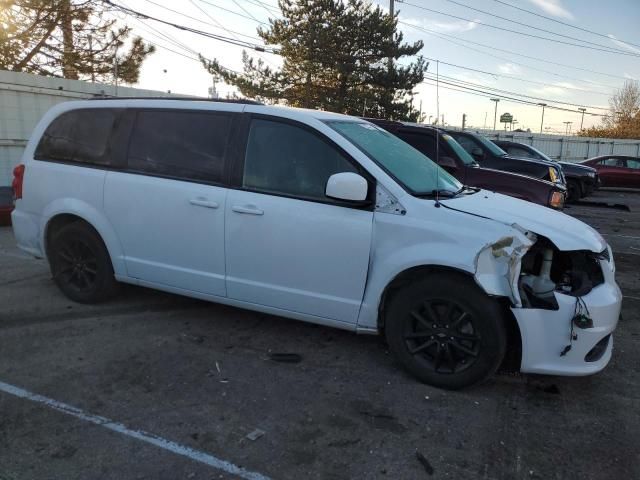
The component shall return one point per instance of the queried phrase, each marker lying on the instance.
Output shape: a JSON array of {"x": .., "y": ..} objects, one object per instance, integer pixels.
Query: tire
[
  {"x": 574, "y": 190},
  {"x": 80, "y": 264},
  {"x": 446, "y": 331}
]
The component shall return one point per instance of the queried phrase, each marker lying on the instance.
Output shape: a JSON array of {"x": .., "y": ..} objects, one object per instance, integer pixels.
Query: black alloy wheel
[
  {"x": 80, "y": 264},
  {"x": 442, "y": 334}
]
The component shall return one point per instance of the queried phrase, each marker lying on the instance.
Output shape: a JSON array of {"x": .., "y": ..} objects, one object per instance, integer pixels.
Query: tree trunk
[{"x": 68, "y": 60}]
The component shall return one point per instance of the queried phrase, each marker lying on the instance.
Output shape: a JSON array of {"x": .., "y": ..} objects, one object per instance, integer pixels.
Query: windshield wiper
[{"x": 446, "y": 193}]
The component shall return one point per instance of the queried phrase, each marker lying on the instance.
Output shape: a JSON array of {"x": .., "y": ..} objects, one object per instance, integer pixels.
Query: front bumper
[{"x": 546, "y": 333}]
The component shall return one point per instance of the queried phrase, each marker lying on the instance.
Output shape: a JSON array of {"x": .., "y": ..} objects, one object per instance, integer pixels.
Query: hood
[
  {"x": 576, "y": 166},
  {"x": 535, "y": 160},
  {"x": 566, "y": 233}
]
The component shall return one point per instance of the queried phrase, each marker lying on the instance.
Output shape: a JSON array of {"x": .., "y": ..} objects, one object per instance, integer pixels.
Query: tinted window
[
  {"x": 466, "y": 142},
  {"x": 424, "y": 143},
  {"x": 633, "y": 163},
  {"x": 284, "y": 158},
  {"x": 520, "y": 152},
  {"x": 79, "y": 136},
  {"x": 612, "y": 162},
  {"x": 189, "y": 145}
]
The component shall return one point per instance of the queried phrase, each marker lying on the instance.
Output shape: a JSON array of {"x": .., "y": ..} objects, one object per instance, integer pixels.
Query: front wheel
[{"x": 446, "y": 331}]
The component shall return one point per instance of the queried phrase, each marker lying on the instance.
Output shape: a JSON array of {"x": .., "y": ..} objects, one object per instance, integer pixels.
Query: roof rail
[{"x": 190, "y": 99}]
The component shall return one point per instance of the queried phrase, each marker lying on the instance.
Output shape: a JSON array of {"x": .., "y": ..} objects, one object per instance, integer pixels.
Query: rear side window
[
  {"x": 79, "y": 136},
  {"x": 424, "y": 143},
  {"x": 290, "y": 160},
  {"x": 186, "y": 145}
]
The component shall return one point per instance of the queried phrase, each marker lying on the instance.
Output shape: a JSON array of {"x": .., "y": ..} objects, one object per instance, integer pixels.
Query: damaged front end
[{"x": 566, "y": 302}]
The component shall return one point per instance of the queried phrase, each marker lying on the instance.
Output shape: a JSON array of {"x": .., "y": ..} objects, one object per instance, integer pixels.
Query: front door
[
  {"x": 289, "y": 246},
  {"x": 168, "y": 207}
]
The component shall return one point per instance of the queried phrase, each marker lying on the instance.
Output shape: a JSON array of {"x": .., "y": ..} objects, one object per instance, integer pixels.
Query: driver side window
[{"x": 285, "y": 159}]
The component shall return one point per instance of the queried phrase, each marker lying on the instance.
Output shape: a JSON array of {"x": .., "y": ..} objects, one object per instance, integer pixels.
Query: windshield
[
  {"x": 459, "y": 150},
  {"x": 416, "y": 172},
  {"x": 541, "y": 155},
  {"x": 496, "y": 150}
]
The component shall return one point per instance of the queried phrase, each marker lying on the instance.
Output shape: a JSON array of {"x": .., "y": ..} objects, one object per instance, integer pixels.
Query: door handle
[
  {"x": 203, "y": 202},
  {"x": 248, "y": 209}
]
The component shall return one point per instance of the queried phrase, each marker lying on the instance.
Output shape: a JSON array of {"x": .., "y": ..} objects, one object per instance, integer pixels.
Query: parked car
[
  {"x": 582, "y": 180},
  {"x": 6, "y": 205},
  {"x": 450, "y": 155},
  {"x": 318, "y": 217},
  {"x": 617, "y": 170},
  {"x": 489, "y": 155}
]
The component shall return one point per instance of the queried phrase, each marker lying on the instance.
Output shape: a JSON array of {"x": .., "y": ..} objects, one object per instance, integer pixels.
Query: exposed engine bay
[{"x": 545, "y": 270}]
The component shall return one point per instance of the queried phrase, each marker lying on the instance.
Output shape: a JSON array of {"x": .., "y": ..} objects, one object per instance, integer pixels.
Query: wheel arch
[
  {"x": 57, "y": 216},
  {"x": 513, "y": 356}
]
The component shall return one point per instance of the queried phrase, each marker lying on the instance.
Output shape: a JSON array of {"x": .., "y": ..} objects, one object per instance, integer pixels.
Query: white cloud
[
  {"x": 510, "y": 69},
  {"x": 445, "y": 27},
  {"x": 549, "y": 90},
  {"x": 553, "y": 7},
  {"x": 622, "y": 44},
  {"x": 451, "y": 27}
]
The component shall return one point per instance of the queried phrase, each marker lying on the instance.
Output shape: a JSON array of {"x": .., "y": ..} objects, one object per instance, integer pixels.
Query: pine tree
[
  {"x": 335, "y": 57},
  {"x": 67, "y": 38}
]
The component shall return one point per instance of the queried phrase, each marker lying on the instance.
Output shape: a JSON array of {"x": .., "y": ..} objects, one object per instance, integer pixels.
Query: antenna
[{"x": 437, "y": 204}]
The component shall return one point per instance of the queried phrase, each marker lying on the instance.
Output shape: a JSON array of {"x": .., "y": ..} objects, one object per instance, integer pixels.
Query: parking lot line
[{"x": 173, "y": 447}]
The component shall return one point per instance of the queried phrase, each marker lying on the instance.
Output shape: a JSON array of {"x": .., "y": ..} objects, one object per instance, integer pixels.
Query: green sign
[{"x": 506, "y": 118}]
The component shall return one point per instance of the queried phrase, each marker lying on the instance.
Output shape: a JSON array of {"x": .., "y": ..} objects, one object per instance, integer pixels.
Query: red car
[{"x": 617, "y": 170}]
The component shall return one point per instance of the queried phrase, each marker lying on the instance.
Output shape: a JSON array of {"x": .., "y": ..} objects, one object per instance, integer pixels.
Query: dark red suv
[{"x": 450, "y": 155}]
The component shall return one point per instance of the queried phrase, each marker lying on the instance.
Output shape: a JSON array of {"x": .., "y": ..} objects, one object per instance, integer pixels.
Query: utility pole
[
  {"x": 567, "y": 128},
  {"x": 582, "y": 119},
  {"x": 495, "y": 112},
  {"x": 464, "y": 120},
  {"x": 420, "y": 116},
  {"x": 542, "y": 121},
  {"x": 485, "y": 120},
  {"x": 115, "y": 70},
  {"x": 93, "y": 73},
  {"x": 391, "y": 12}
]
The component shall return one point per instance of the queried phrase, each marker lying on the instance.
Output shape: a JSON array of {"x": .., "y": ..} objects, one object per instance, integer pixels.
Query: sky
[{"x": 457, "y": 40}]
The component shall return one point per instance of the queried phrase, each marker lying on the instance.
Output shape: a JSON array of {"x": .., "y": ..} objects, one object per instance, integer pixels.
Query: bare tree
[{"x": 624, "y": 104}]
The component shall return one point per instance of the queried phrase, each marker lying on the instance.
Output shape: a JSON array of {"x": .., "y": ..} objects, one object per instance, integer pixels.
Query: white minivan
[{"x": 319, "y": 217}]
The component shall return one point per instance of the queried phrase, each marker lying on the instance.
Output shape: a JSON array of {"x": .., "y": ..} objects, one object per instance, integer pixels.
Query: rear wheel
[
  {"x": 446, "y": 331},
  {"x": 81, "y": 265}
]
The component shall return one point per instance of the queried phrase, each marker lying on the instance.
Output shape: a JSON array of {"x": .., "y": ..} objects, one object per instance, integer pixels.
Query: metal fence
[
  {"x": 25, "y": 98},
  {"x": 569, "y": 148}
]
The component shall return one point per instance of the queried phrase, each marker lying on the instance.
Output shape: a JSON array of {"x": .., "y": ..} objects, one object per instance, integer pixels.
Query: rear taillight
[{"x": 18, "y": 177}]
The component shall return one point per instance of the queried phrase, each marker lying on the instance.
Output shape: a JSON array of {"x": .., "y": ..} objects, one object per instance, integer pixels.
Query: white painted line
[{"x": 137, "y": 434}]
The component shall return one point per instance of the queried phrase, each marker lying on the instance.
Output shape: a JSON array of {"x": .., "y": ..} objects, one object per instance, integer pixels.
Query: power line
[
  {"x": 241, "y": 43},
  {"x": 511, "y": 77},
  {"x": 562, "y": 23},
  {"x": 493, "y": 89},
  {"x": 448, "y": 37},
  {"x": 477, "y": 22},
  {"x": 200, "y": 20},
  {"x": 234, "y": 13},
  {"x": 525, "y": 24},
  {"x": 246, "y": 11},
  {"x": 465, "y": 89}
]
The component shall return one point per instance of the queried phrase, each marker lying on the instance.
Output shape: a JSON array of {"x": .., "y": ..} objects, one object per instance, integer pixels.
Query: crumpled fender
[{"x": 498, "y": 264}]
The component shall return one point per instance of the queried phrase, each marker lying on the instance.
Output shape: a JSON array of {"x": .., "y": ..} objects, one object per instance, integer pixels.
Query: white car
[{"x": 314, "y": 216}]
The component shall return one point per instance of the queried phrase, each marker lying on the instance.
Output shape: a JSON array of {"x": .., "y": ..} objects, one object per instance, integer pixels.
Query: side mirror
[
  {"x": 448, "y": 163},
  {"x": 477, "y": 152},
  {"x": 347, "y": 186}
]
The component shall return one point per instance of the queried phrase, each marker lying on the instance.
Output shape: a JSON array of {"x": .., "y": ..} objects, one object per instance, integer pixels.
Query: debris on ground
[
  {"x": 286, "y": 357},
  {"x": 256, "y": 434},
  {"x": 425, "y": 463}
]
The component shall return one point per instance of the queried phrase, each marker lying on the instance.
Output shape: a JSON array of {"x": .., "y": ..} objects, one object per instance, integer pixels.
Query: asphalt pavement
[{"x": 156, "y": 386}]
